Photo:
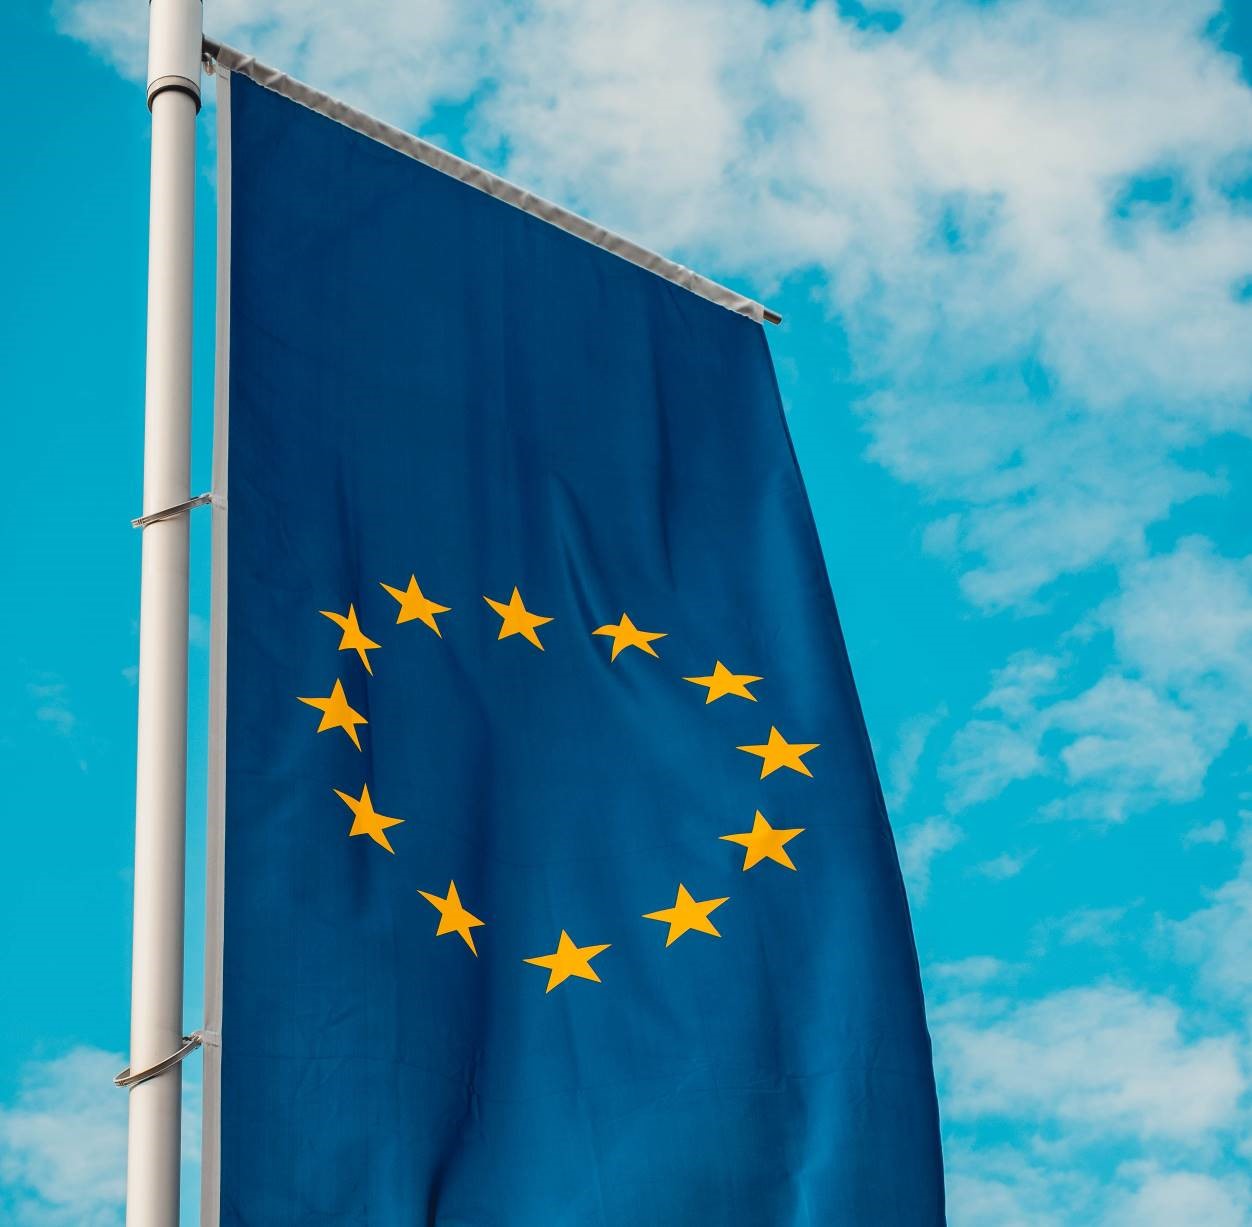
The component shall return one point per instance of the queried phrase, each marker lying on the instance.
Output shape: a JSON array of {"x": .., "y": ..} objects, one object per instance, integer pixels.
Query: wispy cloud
[
  {"x": 959, "y": 182},
  {"x": 1147, "y": 730},
  {"x": 975, "y": 971},
  {"x": 998, "y": 1187},
  {"x": 919, "y": 845},
  {"x": 904, "y": 760},
  {"x": 399, "y": 63},
  {"x": 197, "y": 630},
  {"x": 1001, "y": 744},
  {"x": 52, "y": 706},
  {"x": 1001, "y": 868},
  {"x": 1043, "y": 343},
  {"x": 1206, "y": 833},
  {"x": 1123, "y": 1113},
  {"x": 1044, "y": 338},
  {"x": 1095, "y": 926},
  {"x": 63, "y": 1143},
  {"x": 1094, "y": 1061},
  {"x": 1217, "y": 938},
  {"x": 1167, "y": 1198}
]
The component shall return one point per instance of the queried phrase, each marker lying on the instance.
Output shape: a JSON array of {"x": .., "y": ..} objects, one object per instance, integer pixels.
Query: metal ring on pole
[
  {"x": 175, "y": 36},
  {"x": 126, "y": 1079},
  {"x": 183, "y": 84},
  {"x": 169, "y": 513}
]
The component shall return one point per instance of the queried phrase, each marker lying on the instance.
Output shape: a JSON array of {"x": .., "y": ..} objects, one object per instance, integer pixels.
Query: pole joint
[
  {"x": 175, "y": 35},
  {"x": 182, "y": 84}
]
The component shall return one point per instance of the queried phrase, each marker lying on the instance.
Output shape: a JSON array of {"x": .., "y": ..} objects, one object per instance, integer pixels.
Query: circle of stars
[{"x": 762, "y": 842}]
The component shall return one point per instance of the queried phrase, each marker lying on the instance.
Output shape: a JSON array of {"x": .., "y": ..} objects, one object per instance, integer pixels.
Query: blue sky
[{"x": 1013, "y": 246}]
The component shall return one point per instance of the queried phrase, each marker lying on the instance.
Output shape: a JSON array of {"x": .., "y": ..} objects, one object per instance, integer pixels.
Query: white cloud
[
  {"x": 398, "y": 61},
  {"x": 1176, "y": 693},
  {"x": 1132, "y": 745},
  {"x": 1206, "y": 833},
  {"x": 1001, "y": 868},
  {"x": 996, "y": 1187},
  {"x": 1184, "y": 620},
  {"x": 956, "y": 181},
  {"x": 1001, "y": 744},
  {"x": 1174, "y": 1198},
  {"x": 919, "y": 845},
  {"x": 63, "y": 1143},
  {"x": 1018, "y": 687},
  {"x": 904, "y": 760},
  {"x": 972, "y": 972},
  {"x": 1218, "y": 937},
  {"x": 1047, "y": 347},
  {"x": 986, "y": 757},
  {"x": 116, "y": 29},
  {"x": 1096, "y": 926},
  {"x": 1088, "y": 1062},
  {"x": 1043, "y": 343},
  {"x": 197, "y": 630},
  {"x": 1149, "y": 730},
  {"x": 52, "y": 706}
]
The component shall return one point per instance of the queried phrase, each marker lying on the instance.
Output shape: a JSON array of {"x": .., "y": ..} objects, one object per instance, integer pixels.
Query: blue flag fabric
[{"x": 559, "y": 887}]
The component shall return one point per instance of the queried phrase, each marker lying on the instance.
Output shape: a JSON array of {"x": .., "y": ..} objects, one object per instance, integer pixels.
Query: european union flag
[{"x": 559, "y": 890}]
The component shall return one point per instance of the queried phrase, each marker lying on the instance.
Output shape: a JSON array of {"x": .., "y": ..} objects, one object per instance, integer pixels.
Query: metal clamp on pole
[
  {"x": 169, "y": 513},
  {"x": 126, "y": 1079}
]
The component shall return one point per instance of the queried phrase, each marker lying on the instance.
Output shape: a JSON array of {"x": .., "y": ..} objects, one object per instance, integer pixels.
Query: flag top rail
[{"x": 231, "y": 60}]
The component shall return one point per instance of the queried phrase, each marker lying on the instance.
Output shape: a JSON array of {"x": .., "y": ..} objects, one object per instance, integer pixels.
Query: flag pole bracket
[
  {"x": 169, "y": 513},
  {"x": 126, "y": 1079}
]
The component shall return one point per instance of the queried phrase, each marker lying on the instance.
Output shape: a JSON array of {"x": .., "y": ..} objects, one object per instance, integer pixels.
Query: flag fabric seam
[{"x": 230, "y": 60}]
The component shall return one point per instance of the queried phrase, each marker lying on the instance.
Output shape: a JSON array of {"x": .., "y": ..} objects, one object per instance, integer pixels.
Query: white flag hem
[
  {"x": 215, "y": 851},
  {"x": 484, "y": 181}
]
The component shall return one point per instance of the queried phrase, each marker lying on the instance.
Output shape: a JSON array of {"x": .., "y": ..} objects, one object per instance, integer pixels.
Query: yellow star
[
  {"x": 764, "y": 842},
  {"x": 352, "y": 639},
  {"x": 686, "y": 915},
  {"x": 336, "y": 714},
  {"x": 568, "y": 960},
  {"x": 722, "y": 682},
  {"x": 627, "y": 635},
  {"x": 414, "y": 606},
  {"x": 517, "y": 619},
  {"x": 779, "y": 752},
  {"x": 366, "y": 820},
  {"x": 453, "y": 918}
]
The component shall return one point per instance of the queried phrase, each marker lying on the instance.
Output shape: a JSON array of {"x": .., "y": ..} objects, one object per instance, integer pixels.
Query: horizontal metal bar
[
  {"x": 169, "y": 513},
  {"x": 126, "y": 1079},
  {"x": 221, "y": 58}
]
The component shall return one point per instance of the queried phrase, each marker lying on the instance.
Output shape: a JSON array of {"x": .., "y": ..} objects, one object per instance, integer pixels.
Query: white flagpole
[{"x": 161, "y": 774}]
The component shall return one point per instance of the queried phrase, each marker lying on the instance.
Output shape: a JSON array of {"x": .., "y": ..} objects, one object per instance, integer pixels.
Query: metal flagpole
[{"x": 161, "y": 774}]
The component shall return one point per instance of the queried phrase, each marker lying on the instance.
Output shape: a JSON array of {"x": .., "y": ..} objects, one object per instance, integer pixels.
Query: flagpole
[{"x": 156, "y": 1033}]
